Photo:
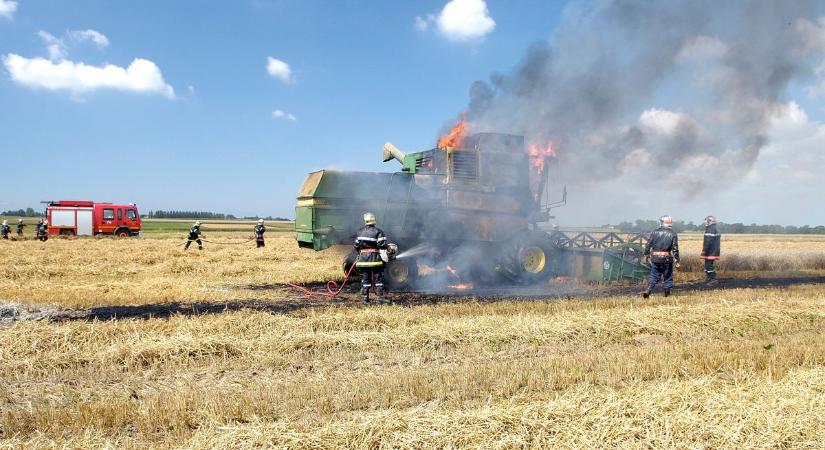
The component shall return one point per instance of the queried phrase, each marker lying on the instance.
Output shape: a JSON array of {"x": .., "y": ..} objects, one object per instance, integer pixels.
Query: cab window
[
  {"x": 120, "y": 214},
  {"x": 131, "y": 214},
  {"x": 108, "y": 213}
]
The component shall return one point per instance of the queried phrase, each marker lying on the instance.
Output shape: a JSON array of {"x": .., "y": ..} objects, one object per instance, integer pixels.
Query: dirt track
[{"x": 294, "y": 301}]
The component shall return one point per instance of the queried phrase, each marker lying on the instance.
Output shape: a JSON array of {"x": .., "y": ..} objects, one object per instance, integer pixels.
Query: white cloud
[
  {"x": 280, "y": 114},
  {"x": 422, "y": 24},
  {"x": 142, "y": 75},
  {"x": 662, "y": 121},
  {"x": 7, "y": 8},
  {"x": 465, "y": 20},
  {"x": 55, "y": 46},
  {"x": 90, "y": 35},
  {"x": 279, "y": 69}
]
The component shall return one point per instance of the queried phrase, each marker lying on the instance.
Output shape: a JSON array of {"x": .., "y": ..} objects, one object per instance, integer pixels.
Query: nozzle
[{"x": 392, "y": 152}]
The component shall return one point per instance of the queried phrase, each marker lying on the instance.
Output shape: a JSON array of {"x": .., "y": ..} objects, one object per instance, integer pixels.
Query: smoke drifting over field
[{"x": 673, "y": 93}]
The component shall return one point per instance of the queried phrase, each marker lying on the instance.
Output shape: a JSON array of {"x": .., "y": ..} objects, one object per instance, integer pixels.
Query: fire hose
[
  {"x": 220, "y": 243},
  {"x": 332, "y": 287}
]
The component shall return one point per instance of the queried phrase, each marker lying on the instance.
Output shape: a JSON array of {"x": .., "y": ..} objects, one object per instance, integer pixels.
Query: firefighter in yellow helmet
[{"x": 369, "y": 242}]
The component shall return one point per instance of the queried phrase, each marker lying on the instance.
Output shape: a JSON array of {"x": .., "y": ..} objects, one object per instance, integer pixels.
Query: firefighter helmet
[
  {"x": 710, "y": 220},
  {"x": 666, "y": 221},
  {"x": 261, "y": 221},
  {"x": 19, "y": 220},
  {"x": 369, "y": 218},
  {"x": 197, "y": 223},
  {"x": 5, "y": 222}
]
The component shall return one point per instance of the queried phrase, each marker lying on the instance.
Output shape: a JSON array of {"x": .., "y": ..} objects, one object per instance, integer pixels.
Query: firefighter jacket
[
  {"x": 194, "y": 232},
  {"x": 259, "y": 232},
  {"x": 663, "y": 246},
  {"x": 712, "y": 245},
  {"x": 20, "y": 227},
  {"x": 42, "y": 229},
  {"x": 6, "y": 229},
  {"x": 369, "y": 241}
]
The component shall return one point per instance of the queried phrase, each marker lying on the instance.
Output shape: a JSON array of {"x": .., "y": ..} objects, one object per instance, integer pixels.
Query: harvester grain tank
[{"x": 474, "y": 209}]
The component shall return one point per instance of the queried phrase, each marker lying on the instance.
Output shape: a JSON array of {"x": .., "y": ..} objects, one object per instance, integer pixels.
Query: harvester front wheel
[{"x": 349, "y": 260}]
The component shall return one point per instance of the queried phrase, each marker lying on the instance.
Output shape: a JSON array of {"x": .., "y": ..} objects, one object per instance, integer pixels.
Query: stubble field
[{"x": 735, "y": 368}]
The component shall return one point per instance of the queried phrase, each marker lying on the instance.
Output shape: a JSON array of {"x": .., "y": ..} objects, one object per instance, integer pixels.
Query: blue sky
[
  {"x": 361, "y": 73},
  {"x": 191, "y": 115}
]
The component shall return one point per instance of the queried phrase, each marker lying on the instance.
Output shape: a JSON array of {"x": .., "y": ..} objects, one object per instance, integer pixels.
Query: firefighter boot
[
  {"x": 365, "y": 294},
  {"x": 646, "y": 294},
  {"x": 379, "y": 293},
  {"x": 667, "y": 292}
]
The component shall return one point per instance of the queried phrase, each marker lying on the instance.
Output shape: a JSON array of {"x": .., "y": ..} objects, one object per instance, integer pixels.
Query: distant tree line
[
  {"x": 28, "y": 212},
  {"x": 199, "y": 215},
  {"x": 739, "y": 228},
  {"x": 185, "y": 215}
]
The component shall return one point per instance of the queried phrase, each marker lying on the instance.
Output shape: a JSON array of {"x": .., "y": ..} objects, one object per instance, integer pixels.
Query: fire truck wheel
[
  {"x": 122, "y": 233},
  {"x": 401, "y": 274}
]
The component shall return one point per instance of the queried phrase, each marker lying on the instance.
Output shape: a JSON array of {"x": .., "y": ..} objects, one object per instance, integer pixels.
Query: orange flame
[
  {"x": 538, "y": 155},
  {"x": 462, "y": 286},
  {"x": 452, "y": 271},
  {"x": 455, "y": 137}
]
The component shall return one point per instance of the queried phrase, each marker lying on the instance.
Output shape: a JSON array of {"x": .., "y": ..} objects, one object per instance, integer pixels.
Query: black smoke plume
[{"x": 680, "y": 93}]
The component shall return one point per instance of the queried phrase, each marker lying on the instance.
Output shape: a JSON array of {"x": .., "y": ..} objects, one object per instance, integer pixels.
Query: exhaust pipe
[{"x": 392, "y": 152}]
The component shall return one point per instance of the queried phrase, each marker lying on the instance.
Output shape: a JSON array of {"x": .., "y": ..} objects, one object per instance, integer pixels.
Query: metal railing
[{"x": 595, "y": 239}]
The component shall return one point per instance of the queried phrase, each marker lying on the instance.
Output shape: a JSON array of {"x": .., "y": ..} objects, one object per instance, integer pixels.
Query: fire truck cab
[{"x": 87, "y": 218}]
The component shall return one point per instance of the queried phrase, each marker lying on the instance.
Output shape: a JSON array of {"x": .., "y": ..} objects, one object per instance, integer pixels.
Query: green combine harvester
[{"x": 471, "y": 212}]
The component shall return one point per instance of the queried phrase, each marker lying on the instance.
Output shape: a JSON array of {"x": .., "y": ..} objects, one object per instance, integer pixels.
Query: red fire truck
[{"x": 87, "y": 218}]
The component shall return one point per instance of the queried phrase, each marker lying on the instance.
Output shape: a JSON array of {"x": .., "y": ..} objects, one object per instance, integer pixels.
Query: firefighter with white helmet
[
  {"x": 6, "y": 229},
  {"x": 195, "y": 235},
  {"x": 711, "y": 247},
  {"x": 260, "y": 229},
  {"x": 369, "y": 242},
  {"x": 43, "y": 230},
  {"x": 662, "y": 253},
  {"x": 20, "y": 226}
]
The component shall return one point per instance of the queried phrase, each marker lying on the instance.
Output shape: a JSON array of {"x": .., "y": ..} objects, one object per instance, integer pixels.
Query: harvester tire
[
  {"x": 531, "y": 259},
  {"x": 401, "y": 273},
  {"x": 349, "y": 260}
]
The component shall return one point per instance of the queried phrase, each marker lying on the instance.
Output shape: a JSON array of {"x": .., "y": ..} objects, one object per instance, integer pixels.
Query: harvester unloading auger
[{"x": 460, "y": 215}]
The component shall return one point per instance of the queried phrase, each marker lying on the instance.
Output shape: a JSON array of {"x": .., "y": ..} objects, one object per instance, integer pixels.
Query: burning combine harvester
[{"x": 463, "y": 213}]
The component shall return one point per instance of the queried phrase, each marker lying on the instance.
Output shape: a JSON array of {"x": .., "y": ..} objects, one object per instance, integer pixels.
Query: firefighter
[
  {"x": 662, "y": 253},
  {"x": 43, "y": 230},
  {"x": 20, "y": 226},
  {"x": 6, "y": 229},
  {"x": 369, "y": 242},
  {"x": 195, "y": 235},
  {"x": 710, "y": 249},
  {"x": 260, "y": 229}
]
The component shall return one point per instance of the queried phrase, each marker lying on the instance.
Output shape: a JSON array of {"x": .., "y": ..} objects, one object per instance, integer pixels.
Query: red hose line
[{"x": 332, "y": 287}]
